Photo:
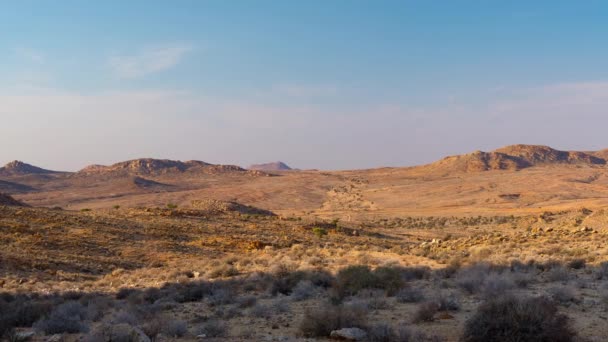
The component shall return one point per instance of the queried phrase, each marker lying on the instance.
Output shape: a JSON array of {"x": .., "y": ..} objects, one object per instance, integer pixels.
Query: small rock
[
  {"x": 349, "y": 334},
  {"x": 24, "y": 335},
  {"x": 55, "y": 338}
]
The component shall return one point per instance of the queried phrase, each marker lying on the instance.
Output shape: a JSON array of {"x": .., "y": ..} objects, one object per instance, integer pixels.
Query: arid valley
[{"x": 165, "y": 250}]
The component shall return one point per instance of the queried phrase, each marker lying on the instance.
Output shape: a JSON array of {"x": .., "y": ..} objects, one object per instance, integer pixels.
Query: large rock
[{"x": 349, "y": 334}]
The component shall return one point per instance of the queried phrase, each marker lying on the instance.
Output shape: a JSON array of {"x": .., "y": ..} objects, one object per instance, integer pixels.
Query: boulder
[{"x": 349, "y": 334}]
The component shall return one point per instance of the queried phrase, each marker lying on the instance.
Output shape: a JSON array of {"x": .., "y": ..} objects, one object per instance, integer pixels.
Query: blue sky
[{"x": 317, "y": 84}]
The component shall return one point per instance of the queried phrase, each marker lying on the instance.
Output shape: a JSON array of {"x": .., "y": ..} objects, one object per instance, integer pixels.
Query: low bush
[
  {"x": 174, "y": 328},
  {"x": 409, "y": 295},
  {"x": 511, "y": 319},
  {"x": 497, "y": 284},
  {"x": 381, "y": 332},
  {"x": 563, "y": 295},
  {"x": 577, "y": 264},
  {"x": 303, "y": 290},
  {"x": 212, "y": 328},
  {"x": 352, "y": 279},
  {"x": 321, "y": 321},
  {"x": 65, "y": 318},
  {"x": 426, "y": 312},
  {"x": 558, "y": 273}
]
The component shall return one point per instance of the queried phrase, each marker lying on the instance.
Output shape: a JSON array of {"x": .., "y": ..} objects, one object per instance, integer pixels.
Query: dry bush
[
  {"x": 381, "y": 332},
  {"x": 558, "y": 273},
  {"x": 174, "y": 328},
  {"x": 448, "y": 302},
  {"x": 511, "y": 319},
  {"x": 471, "y": 278},
  {"x": 321, "y": 321},
  {"x": 21, "y": 311},
  {"x": 601, "y": 272},
  {"x": 577, "y": 264},
  {"x": 65, "y": 318},
  {"x": 426, "y": 312},
  {"x": 303, "y": 290},
  {"x": 352, "y": 279},
  {"x": 246, "y": 301},
  {"x": 212, "y": 328},
  {"x": 496, "y": 284},
  {"x": 409, "y": 295},
  {"x": 563, "y": 295}
]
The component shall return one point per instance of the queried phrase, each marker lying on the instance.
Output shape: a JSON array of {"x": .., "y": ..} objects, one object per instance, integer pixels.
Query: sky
[{"x": 327, "y": 84}]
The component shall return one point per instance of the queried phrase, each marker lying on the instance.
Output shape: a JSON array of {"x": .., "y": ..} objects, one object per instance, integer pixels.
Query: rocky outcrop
[{"x": 19, "y": 168}]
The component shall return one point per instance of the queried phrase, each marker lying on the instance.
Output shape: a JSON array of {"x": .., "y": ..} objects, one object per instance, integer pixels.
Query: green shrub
[
  {"x": 352, "y": 279},
  {"x": 320, "y": 232}
]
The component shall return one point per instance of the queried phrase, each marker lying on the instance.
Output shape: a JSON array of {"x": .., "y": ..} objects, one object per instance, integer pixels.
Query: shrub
[
  {"x": 171, "y": 206},
  {"x": 65, "y": 318},
  {"x": 409, "y": 295},
  {"x": 221, "y": 296},
  {"x": 426, "y": 312},
  {"x": 319, "y": 232},
  {"x": 284, "y": 281},
  {"x": 320, "y": 322},
  {"x": 389, "y": 279},
  {"x": 602, "y": 271},
  {"x": 563, "y": 295},
  {"x": 212, "y": 328},
  {"x": 352, "y": 279},
  {"x": 471, "y": 279},
  {"x": 558, "y": 273},
  {"x": 577, "y": 264},
  {"x": 448, "y": 302},
  {"x": 174, "y": 328},
  {"x": 381, "y": 333},
  {"x": 415, "y": 273},
  {"x": 124, "y": 293},
  {"x": 495, "y": 285},
  {"x": 509, "y": 319},
  {"x": 261, "y": 310},
  {"x": 192, "y": 292},
  {"x": 603, "y": 293},
  {"x": 246, "y": 301},
  {"x": 303, "y": 290}
]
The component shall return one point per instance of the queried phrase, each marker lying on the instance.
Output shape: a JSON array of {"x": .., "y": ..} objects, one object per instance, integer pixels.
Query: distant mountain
[
  {"x": 275, "y": 166},
  {"x": 18, "y": 168},
  {"x": 157, "y": 167},
  {"x": 517, "y": 157}
]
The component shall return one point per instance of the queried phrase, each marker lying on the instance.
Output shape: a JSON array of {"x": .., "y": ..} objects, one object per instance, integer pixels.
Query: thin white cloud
[
  {"x": 30, "y": 55},
  {"x": 148, "y": 61},
  {"x": 306, "y": 90}
]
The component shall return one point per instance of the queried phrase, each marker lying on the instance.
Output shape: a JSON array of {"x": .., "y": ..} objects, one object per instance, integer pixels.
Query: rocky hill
[
  {"x": 517, "y": 157},
  {"x": 19, "y": 168},
  {"x": 157, "y": 167},
  {"x": 274, "y": 166}
]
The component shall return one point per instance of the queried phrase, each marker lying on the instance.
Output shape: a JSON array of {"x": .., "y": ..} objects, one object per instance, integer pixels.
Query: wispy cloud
[
  {"x": 306, "y": 90},
  {"x": 148, "y": 61},
  {"x": 30, "y": 55}
]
